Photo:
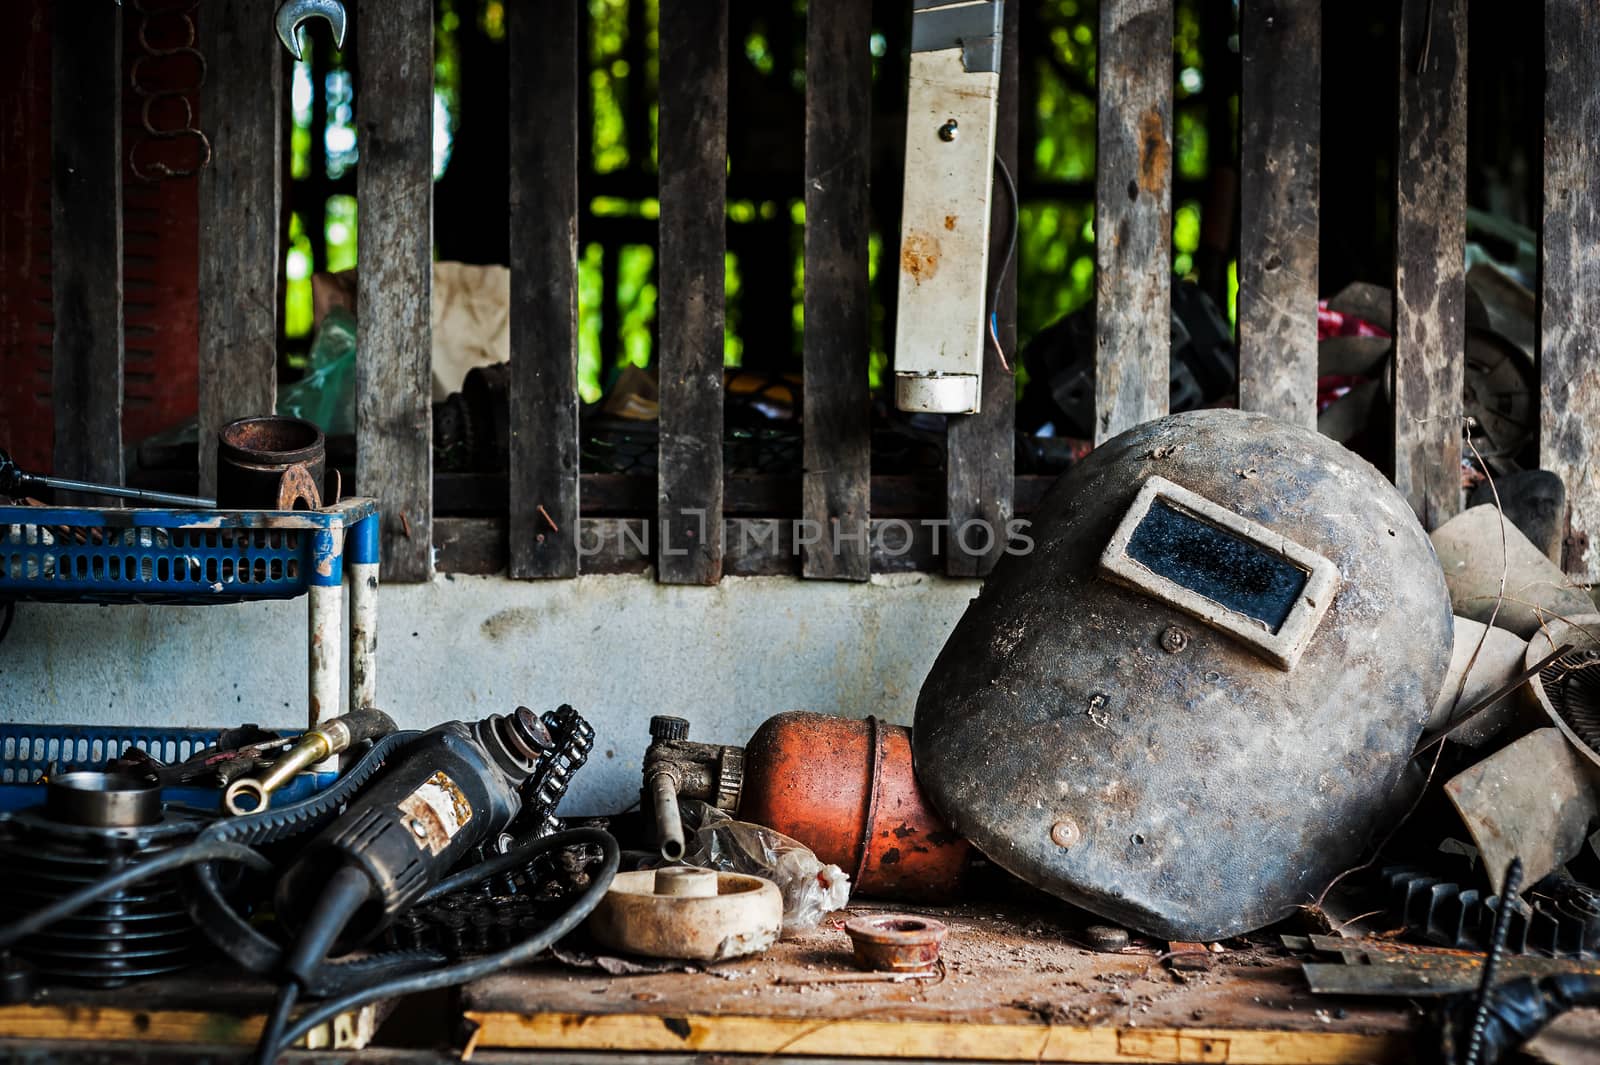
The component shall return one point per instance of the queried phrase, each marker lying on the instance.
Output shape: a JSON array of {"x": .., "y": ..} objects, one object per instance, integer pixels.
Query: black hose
[
  {"x": 476, "y": 968},
  {"x": 202, "y": 850}
]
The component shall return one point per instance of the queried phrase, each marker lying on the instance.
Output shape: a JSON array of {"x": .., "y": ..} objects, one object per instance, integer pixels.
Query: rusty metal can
[
  {"x": 270, "y": 463},
  {"x": 846, "y": 789}
]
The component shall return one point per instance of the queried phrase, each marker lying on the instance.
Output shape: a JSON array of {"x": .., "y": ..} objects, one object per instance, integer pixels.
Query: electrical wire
[
  {"x": 476, "y": 968},
  {"x": 1005, "y": 263},
  {"x": 346, "y": 892},
  {"x": 189, "y": 854}
]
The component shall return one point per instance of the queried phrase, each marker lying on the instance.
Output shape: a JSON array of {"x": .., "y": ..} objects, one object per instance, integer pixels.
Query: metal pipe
[
  {"x": 142, "y": 495},
  {"x": 14, "y": 481},
  {"x": 669, "y": 822},
  {"x": 362, "y": 564},
  {"x": 325, "y": 615}
]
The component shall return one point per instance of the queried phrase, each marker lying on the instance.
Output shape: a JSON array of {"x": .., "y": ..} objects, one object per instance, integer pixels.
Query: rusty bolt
[
  {"x": 1174, "y": 639},
  {"x": 949, "y": 131},
  {"x": 1064, "y": 833}
]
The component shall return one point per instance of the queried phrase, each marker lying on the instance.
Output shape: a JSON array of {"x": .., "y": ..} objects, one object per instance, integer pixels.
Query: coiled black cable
[{"x": 476, "y": 968}]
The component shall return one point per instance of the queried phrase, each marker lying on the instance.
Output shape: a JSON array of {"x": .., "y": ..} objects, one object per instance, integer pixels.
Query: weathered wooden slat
[
  {"x": 544, "y": 290},
  {"x": 394, "y": 415},
  {"x": 838, "y": 437},
  {"x": 1279, "y": 148},
  {"x": 1133, "y": 215},
  {"x": 1430, "y": 246},
  {"x": 980, "y": 456},
  {"x": 693, "y": 128},
  {"x": 240, "y": 106},
  {"x": 1569, "y": 274},
  {"x": 86, "y": 240}
]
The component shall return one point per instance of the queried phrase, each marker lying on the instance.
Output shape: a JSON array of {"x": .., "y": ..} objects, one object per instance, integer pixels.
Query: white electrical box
[{"x": 941, "y": 322}]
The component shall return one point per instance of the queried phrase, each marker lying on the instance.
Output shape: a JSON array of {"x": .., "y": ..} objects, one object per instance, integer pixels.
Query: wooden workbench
[{"x": 1017, "y": 986}]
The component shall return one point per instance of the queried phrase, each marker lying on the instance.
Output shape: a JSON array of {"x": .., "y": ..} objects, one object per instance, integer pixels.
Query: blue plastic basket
[
  {"x": 70, "y": 554},
  {"x": 30, "y": 752}
]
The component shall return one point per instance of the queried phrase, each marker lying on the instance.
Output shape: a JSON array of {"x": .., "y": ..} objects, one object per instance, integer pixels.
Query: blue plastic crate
[
  {"x": 29, "y": 752},
  {"x": 145, "y": 555}
]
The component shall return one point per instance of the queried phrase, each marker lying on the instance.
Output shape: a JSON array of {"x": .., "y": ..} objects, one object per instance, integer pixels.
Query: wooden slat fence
[{"x": 546, "y": 536}]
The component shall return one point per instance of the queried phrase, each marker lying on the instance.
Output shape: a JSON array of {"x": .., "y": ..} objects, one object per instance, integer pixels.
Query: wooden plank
[
  {"x": 86, "y": 240},
  {"x": 929, "y": 1040},
  {"x": 394, "y": 415},
  {"x": 1430, "y": 249},
  {"x": 1279, "y": 149},
  {"x": 1133, "y": 215},
  {"x": 240, "y": 104},
  {"x": 116, "y": 1023},
  {"x": 838, "y": 434},
  {"x": 1569, "y": 274},
  {"x": 693, "y": 128},
  {"x": 544, "y": 290},
  {"x": 980, "y": 455}
]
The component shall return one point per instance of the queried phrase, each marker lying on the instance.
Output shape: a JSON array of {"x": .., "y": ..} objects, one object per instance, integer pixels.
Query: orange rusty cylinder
[{"x": 845, "y": 788}]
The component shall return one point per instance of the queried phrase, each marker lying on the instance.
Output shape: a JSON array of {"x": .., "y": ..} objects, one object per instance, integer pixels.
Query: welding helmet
[{"x": 1187, "y": 707}]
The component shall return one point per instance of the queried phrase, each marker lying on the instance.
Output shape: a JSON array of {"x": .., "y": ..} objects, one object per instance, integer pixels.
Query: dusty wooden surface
[
  {"x": 241, "y": 109},
  {"x": 1430, "y": 250},
  {"x": 693, "y": 130},
  {"x": 86, "y": 241},
  {"x": 1569, "y": 293},
  {"x": 544, "y": 291},
  {"x": 838, "y": 410},
  {"x": 980, "y": 456},
  {"x": 394, "y": 412},
  {"x": 1016, "y": 986},
  {"x": 1279, "y": 149},
  {"x": 1133, "y": 215}
]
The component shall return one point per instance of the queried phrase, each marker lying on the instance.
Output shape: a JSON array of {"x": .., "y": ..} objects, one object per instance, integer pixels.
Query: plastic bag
[
  {"x": 326, "y": 396},
  {"x": 811, "y": 890}
]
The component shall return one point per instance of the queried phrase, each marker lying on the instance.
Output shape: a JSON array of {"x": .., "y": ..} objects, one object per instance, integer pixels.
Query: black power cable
[
  {"x": 345, "y": 893},
  {"x": 475, "y": 968}
]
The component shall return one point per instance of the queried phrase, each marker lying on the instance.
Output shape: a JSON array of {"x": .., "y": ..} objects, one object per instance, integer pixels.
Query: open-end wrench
[{"x": 293, "y": 12}]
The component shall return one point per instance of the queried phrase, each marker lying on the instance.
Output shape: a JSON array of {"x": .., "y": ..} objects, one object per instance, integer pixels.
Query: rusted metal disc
[{"x": 896, "y": 942}]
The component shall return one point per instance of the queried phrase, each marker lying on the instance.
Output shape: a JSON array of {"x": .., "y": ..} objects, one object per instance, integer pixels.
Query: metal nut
[
  {"x": 1064, "y": 833},
  {"x": 949, "y": 130},
  {"x": 1174, "y": 639},
  {"x": 1106, "y": 937}
]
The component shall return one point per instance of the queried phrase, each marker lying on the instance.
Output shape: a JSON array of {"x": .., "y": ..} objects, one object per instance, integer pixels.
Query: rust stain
[
  {"x": 1155, "y": 155},
  {"x": 919, "y": 256},
  {"x": 949, "y": 221}
]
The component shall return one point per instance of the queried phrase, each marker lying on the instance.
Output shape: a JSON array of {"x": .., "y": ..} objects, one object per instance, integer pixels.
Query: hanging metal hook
[{"x": 293, "y": 12}]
